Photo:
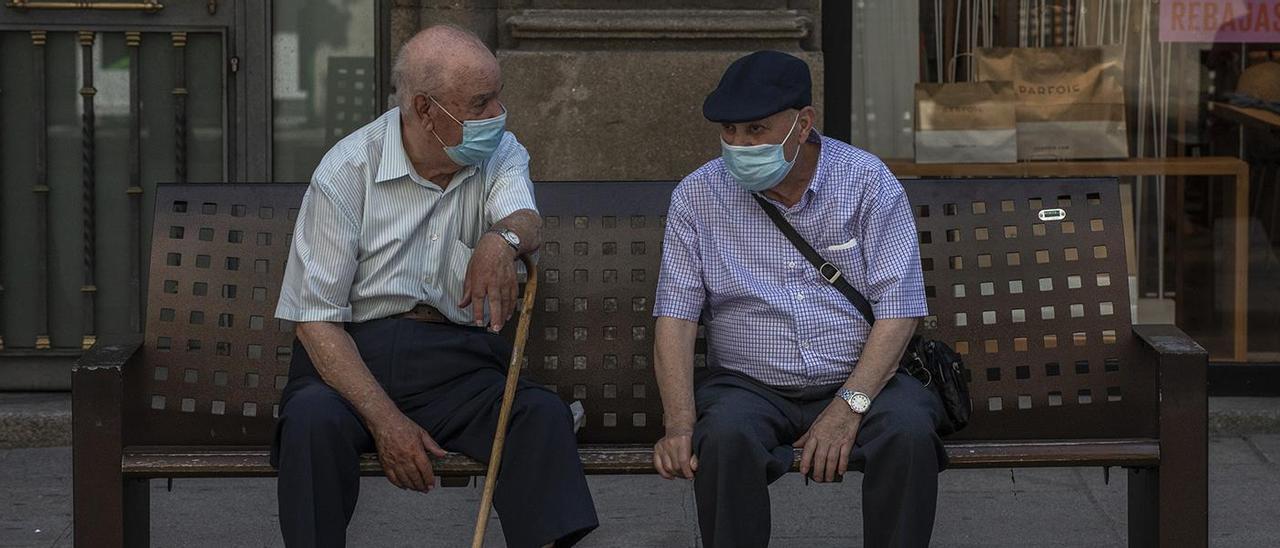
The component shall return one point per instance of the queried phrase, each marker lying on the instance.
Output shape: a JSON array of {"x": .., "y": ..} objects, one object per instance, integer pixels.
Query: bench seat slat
[{"x": 165, "y": 462}]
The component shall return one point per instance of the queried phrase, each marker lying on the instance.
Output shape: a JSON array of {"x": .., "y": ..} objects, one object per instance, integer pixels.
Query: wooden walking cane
[{"x": 508, "y": 397}]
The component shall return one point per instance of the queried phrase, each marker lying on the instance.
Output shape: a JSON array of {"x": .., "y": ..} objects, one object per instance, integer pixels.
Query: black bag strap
[{"x": 827, "y": 270}]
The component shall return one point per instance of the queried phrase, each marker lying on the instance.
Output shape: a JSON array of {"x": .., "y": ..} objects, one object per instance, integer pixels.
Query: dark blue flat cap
[{"x": 757, "y": 86}]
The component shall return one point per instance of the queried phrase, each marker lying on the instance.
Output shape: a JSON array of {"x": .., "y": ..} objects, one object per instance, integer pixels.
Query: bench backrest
[{"x": 1038, "y": 307}]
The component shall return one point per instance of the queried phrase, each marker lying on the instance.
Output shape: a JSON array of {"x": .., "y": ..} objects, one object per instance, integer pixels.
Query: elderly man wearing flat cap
[{"x": 791, "y": 360}]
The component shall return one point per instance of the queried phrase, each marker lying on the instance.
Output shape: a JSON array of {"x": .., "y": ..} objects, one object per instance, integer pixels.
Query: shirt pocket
[
  {"x": 848, "y": 259},
  {"x": 843, "y": 242},
  {"x": 454, "y": 275}
]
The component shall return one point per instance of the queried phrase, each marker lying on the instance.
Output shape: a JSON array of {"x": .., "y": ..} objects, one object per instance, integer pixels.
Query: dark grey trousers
[
  {"x": 743, "y": 441},
  {"x": 449, "y": 380}
]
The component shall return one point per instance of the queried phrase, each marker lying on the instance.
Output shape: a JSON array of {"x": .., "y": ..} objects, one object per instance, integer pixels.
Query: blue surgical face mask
[
  {"x": 479, "y": 138},
  {"x": 761, "y": 167}
]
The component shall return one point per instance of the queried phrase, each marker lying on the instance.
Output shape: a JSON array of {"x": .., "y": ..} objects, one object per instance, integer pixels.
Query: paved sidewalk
[{"x": 1006, "y": 508}]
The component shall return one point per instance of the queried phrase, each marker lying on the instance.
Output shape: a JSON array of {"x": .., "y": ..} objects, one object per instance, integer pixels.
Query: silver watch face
[
  {"x": 860, "y": 402},
  {"x": 857, "y": 401},
  {"x": 511, "y": 237}
]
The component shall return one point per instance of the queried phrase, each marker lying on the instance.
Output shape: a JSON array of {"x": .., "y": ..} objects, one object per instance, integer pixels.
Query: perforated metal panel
[
  {"x": 215, "y": 359},
  {"x": 215, "y": 356},
  {"x": 592, "y": 334},
  {"x": 1038, "y": 307}
]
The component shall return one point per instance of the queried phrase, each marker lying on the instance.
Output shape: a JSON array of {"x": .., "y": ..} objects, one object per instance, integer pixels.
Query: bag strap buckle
[
  {"x": 830, "y": 272},
  {"x": 928, "y": 380},
  {"x": 916, "y": 367}
]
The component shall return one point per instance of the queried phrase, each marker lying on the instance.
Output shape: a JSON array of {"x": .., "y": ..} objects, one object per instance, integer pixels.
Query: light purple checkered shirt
[{"x": 767, "y": 311}]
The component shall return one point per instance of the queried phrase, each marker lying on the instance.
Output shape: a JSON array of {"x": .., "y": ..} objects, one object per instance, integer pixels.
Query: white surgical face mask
[
  {"x": 480, "y": 138},
  {"x": 760, "y": 167}
]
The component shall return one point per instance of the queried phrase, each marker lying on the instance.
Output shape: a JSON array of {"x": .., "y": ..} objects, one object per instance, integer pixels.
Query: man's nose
[{"x": 495, "y": 108}]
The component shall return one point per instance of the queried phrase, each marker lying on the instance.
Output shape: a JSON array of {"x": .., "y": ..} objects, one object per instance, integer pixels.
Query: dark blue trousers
[
  {"x": 449, "y": 380},
  {"x": 743, "y": 440}
]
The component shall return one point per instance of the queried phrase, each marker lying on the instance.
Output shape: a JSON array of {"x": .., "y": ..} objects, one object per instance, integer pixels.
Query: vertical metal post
[
  {"x": 1, "y": 237},
  {"x": 41, "y": 189},
  {"x": 382, "y": 55},
  {"x": 133, "y": 40},
  {"x": 180, "y": 106},
  {"x": 88, "y": 290},
  {"x": 250, "y": 83}
]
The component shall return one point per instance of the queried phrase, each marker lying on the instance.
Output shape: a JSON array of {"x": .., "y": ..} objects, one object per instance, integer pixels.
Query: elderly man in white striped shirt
[{"x": 400, "y": 275}]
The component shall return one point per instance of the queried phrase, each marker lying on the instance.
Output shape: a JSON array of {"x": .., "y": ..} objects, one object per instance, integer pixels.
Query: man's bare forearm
[
  {"x": 673, "y": 366},
  {"x": 339, "y": 363},
  {"x": 879, "y": 359},
  {"x": 527, "y": 224}
]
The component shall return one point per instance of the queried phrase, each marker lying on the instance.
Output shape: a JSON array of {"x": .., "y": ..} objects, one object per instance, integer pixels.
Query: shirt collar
[
  {"x": 815, "y": 181},
  {"x": 819, "y": 170},
  {"x": 394, "y": 163}
]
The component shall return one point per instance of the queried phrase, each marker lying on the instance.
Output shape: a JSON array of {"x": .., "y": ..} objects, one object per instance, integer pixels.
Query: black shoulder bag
[{"x": 932, "y": 362}]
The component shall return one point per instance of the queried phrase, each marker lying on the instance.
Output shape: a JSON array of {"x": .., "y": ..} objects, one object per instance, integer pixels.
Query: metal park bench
[{"x": 1039, "y": 307}]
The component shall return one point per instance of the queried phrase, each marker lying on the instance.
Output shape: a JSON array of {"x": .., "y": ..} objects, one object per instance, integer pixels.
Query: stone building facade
[{"x": 612, "y": 90}]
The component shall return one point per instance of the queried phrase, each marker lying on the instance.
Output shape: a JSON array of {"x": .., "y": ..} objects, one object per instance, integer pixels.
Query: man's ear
[
  {"x": 422, "y": 111},
  {"x": 808, "y": 119}
]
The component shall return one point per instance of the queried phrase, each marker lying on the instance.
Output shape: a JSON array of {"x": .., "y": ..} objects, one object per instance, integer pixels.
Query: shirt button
[
  {"x": 804, "y": 344},
  {"x": 799, "y": 296},
  {"x": 791, "y": 264},
  {"x": 435, "y": 237},
  {"x": 427, "y": 279}
]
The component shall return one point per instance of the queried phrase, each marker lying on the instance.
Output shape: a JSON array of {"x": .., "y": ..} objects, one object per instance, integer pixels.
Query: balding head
[
  {"x": 444, "y": 77},
  {"x": 437, "y": 60}
]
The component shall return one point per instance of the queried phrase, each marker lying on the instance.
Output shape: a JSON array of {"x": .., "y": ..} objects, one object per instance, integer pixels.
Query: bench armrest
[
  {"x": 97, "y": 434},
  {"x": 103, "y": 355},
  {"x": 1182, "y": 483},
  {"x": 1182, "y": 380},
  {"x": 97, "y": 394},
  {"x": 1182, "y": 377},
  {"x": 97, "y": 387},
  {"x": 1168, "y": 340}
]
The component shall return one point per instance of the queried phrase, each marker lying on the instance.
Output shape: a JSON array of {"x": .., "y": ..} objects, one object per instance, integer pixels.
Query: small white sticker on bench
[{"x": 1052, "y": 214}]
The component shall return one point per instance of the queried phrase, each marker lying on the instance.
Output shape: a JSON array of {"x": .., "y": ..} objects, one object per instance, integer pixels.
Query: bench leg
[
  {"x": 137, "y": 512},
  {"x": 113, "y": 513},
  {"x": 1144, "y": 502},
  {"x": 1160, "y": 515}
]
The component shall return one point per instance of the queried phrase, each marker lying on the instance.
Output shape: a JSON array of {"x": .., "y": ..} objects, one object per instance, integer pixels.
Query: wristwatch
[
  {"x": 509, "y": 236},
  {"x": 857, "y": 401}
]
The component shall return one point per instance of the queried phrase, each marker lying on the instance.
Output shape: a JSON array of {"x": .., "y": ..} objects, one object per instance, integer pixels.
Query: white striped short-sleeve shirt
[{"x": 373, "y": 238}]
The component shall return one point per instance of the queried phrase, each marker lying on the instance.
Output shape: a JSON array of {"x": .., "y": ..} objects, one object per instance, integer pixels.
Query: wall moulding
[{"x": 652, "y": 29}]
